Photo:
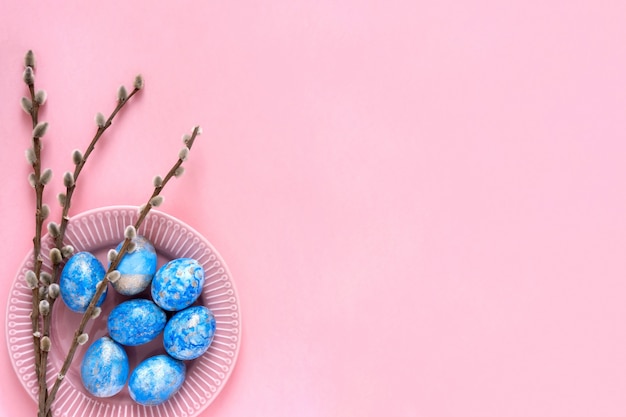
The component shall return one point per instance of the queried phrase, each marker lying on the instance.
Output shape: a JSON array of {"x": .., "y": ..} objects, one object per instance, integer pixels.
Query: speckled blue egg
[
  {"x": 177, "y": 284},
  {"x": 136, "y": 268},
  {"x": 78, "y": 281},
  {"x": 135, "y": 322},
  {"x": 189, "y": 333},
  {"x": 104, "y": 369},
  {"x": 156, "y": 380}
]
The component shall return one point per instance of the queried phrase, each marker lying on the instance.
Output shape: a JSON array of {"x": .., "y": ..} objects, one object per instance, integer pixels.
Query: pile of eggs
[{"x": 174, "y": 288}]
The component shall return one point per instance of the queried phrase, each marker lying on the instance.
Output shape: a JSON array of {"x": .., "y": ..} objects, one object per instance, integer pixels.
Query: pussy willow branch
[
  {"x": 56, "y": 263},
  {"x": 39, "y": 217},
  {"x": 79, "y": 167},
  {"x": 114, "y": 263}
]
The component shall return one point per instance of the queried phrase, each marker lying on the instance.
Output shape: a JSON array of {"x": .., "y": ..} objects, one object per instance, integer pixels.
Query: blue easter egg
[
  {"x": 156, "y": 380},
  {"x": 189, "y": 333},
  {"x": 136, "y": 268},
  {"x": 78, "y": 281},
  {"x": 177, "y": 284},
  {"x": 136, "y": 322},
  {"x": 104, "y": 368}
]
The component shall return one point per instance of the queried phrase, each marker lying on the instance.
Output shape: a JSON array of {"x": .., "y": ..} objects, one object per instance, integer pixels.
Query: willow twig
[
  {"x": 81, "y": 159},
  {"x": 38, "y": 180},
  {"x": 58, "y": 232},
  {"x": 130, "y": 232}
]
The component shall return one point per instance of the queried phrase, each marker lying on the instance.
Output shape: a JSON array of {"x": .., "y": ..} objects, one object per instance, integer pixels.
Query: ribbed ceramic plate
[{"x": 97, "y": 231}]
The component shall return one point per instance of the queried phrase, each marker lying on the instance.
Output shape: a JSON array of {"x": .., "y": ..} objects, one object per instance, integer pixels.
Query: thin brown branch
[
  {"x": 69, "y": 192},
  {"x": 59, "y": 240},
  {"x": 38, "y": 261},
  {"x": 100, "y": 289}
]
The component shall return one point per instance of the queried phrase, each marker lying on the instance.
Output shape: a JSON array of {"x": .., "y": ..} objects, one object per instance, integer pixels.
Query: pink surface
[{"x": 422, "y": 203}]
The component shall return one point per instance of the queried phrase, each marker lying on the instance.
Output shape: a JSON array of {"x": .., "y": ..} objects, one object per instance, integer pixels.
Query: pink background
[{"x": 422, "y": 203}]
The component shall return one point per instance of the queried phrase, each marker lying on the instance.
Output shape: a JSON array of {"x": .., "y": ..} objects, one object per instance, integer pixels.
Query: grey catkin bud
[
  {"x": 113, "y": 276},
  {"x": 186, "y": 138},
  {"x": 40, "y": 97},
  {"x": 67, "y": 251},
  {"x": 100, "y": 120},
  {"x": 55, "y": 256},
  {"x": 29, "y": 76},
  {"x": 96, "y": 313},
  {"x": 45, "y": 211},
  {"x": 130, "y": 232},
  {"x": 138, "y": 84},
  {"x": 46, "y": 176},
  {"x": 53, "y": 229},
  {"x": 82, "y": 339},
  {"x": 179, "y": 171},
  {"x": 26, "y": 104},
  {"x": 31, "y": 279},
  {"x": 62, "y": 199},
  {"x": 31, "y": 180},
  {"x": 45, "y": 344},
  {"x": 122, "y": 94},
  {"x": 77, "y": 156},
  {"x": 198, "y": 130},
  {"x": 54, "y": 290},
  {"x": 111, "y": 255},
  {"x": 156, "y": 201},
  {"x": 132, "y": 246},
  {"x": 30, "y": 156},
  {"x": 44, "y": 307},
  {"x": 29, "y": 59},
  {"x": 43, "y": 291},
  {"x": 45, "y": 278},
  {"x": 183, "y": 154},
  {"x": 40, "y": 129},
  {"x": 68, "y": 179},
  {"x": 157, "y": 181}
]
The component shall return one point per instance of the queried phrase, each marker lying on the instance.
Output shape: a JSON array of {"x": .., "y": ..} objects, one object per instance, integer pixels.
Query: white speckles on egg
[
  {"x": 137, "y": 268},
  {"x": 135, "y": 322},
  {"x": 78, "y": 281},
  {"x": 189, "y": 333},
  {"x": 156, "y": 379},
  {"x": 177, "y": 284},
  {"x": 104, "y": 368}
]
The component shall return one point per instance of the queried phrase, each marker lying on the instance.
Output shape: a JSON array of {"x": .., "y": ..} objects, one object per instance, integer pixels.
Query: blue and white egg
[
  {"x": 79, "y": 278},
  {"x": 178, "y": 284},
  {"x": 137, "y": 268},
  {"x": 189, "y": 333},
  {"x": 135, "y": 322},
  {"x": 156, "y": 380},
  {"x": 104, "y": 369}
]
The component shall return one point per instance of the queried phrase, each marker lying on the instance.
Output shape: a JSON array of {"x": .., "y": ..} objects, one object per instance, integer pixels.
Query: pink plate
[{"x": 97, "y": 231}]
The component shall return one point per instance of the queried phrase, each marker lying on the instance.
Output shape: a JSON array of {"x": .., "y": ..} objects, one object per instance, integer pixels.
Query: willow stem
[
  {"x": 114, "y": 263},
  {"x": 79, "y": 167},
  {"x": 40, "y": 369},
  {"x": 59, "y": 240}
]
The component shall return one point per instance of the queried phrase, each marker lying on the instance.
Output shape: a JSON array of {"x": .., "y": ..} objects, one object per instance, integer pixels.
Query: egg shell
[
  {"x": 104, "y": 369},
  {"x": 156, "y": 380},
  {"x": 137, "y": 268},
  {"x": 189, "y": 333},
  {"x": 177, "y": 284},
  {"x": 135, "y": 322},
  {"x": 78, "y": 281}
]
